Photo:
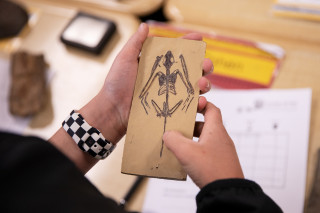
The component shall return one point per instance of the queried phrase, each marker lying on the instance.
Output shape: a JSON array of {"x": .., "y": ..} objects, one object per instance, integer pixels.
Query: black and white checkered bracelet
[{"x": 88, "y": 138}]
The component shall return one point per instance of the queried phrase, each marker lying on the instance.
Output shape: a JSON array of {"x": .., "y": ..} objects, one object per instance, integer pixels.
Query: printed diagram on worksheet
[
  {"x": 262, "y": 142},
  {"x": 263, "y": 156}
]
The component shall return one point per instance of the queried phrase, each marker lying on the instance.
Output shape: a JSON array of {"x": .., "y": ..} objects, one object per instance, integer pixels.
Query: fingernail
[
  {"x": 165, "y": 135},
  {"x": 211, "y": 71},
  {"x": 141, "y": 26},
  {"x": 208, "y": 86}
]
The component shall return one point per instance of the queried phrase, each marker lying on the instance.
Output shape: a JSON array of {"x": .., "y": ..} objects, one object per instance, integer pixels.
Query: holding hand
[{"x": 214, "y": 156}]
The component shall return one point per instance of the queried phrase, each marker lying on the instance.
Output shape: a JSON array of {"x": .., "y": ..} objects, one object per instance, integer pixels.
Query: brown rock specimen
[{"x": 28, "y": 84}]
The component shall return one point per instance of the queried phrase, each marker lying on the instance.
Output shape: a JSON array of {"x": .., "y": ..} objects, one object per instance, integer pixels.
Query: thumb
[
  {"x": 178, "y": 144},
  {"x": 133, "y": 47}
]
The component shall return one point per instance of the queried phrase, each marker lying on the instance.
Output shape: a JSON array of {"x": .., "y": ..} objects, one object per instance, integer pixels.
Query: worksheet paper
[
  {"x": 270, "y": 129},
  {"x": 302, "y": 2}
]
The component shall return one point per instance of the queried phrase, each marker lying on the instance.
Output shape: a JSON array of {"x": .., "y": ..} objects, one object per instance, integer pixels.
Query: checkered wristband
[{"x": 88, "y": 138}]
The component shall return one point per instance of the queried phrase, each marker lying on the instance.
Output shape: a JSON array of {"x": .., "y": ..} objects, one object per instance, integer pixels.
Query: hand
[{"x": 214, "y": 156}]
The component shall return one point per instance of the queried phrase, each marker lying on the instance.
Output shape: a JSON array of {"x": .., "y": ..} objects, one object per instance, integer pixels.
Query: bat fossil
[{"x": 167, "y": 86}]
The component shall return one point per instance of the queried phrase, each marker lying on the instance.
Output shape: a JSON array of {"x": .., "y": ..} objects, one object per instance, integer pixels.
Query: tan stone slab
[{"x": 165, "y": 98}]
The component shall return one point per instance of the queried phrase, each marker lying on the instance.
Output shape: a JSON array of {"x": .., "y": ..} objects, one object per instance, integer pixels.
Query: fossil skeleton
[{"x": 167, "y": 87}]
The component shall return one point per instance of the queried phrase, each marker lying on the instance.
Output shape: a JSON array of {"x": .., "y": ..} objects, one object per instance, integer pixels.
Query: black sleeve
[
  {"x": 234, "y": 195},
  {"x": 36, "y": 177}
]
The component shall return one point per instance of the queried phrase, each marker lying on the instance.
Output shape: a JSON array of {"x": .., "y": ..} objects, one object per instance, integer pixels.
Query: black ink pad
[{"x": 88, "y": 32}]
